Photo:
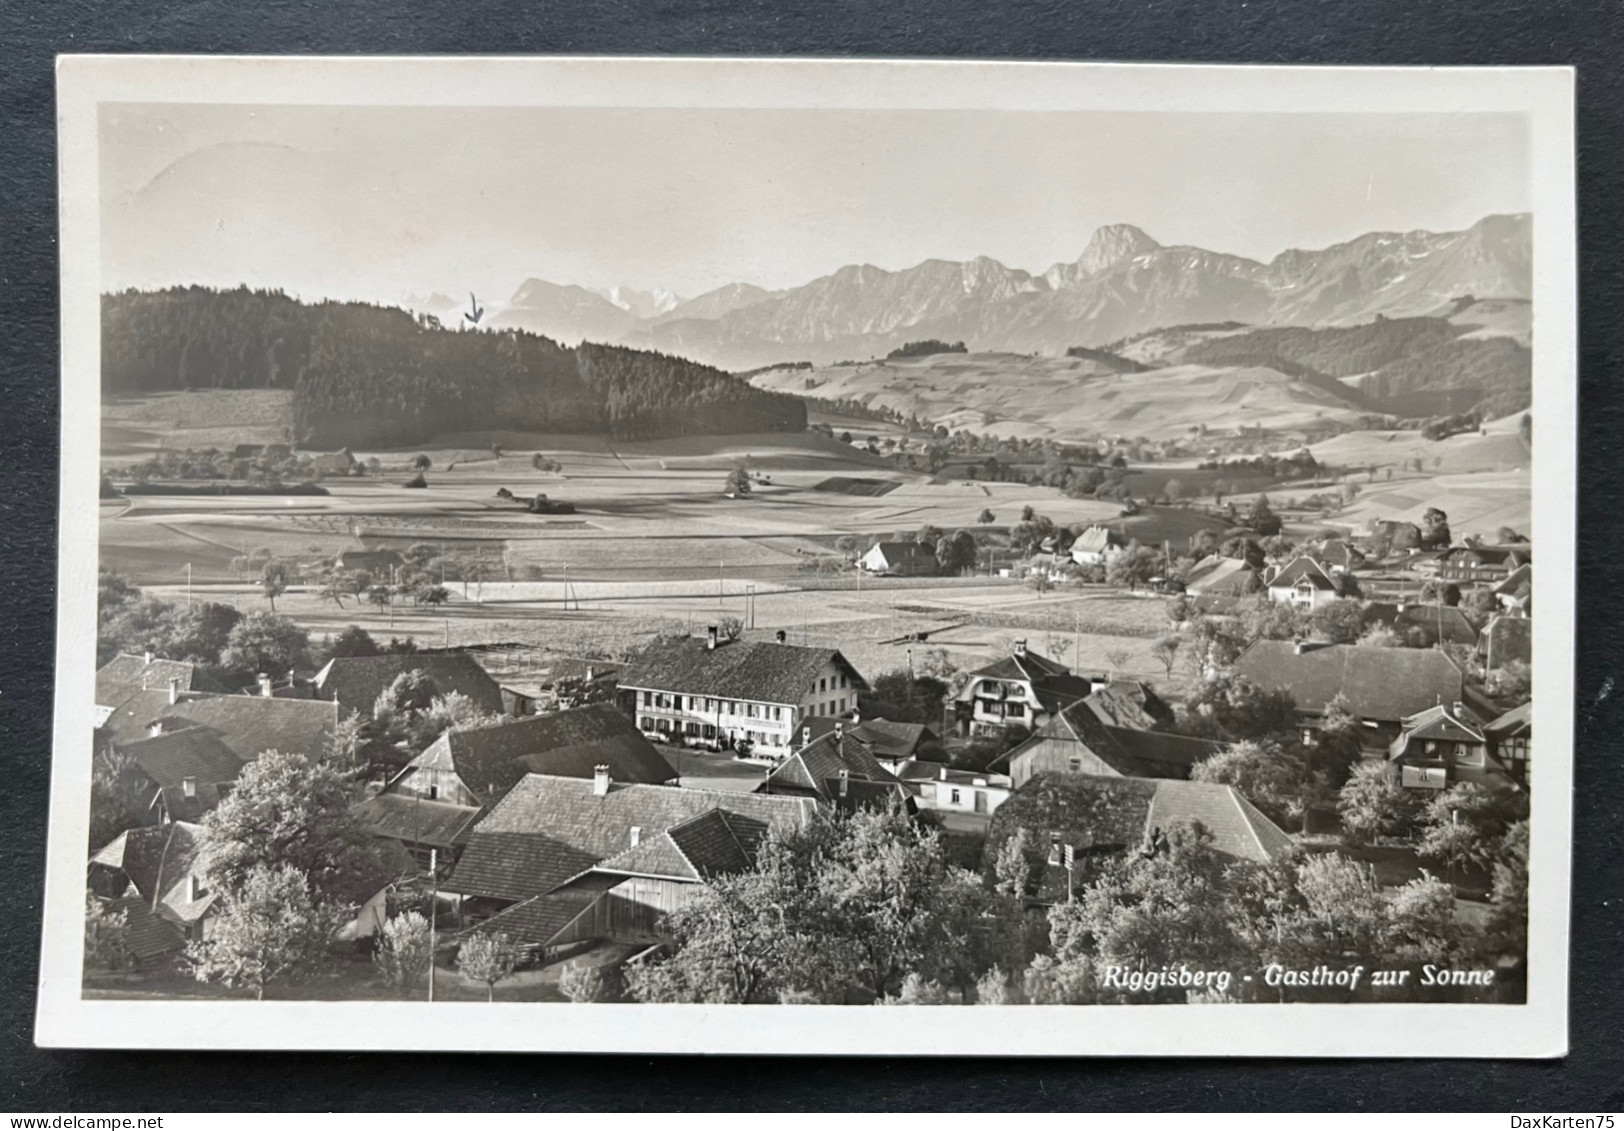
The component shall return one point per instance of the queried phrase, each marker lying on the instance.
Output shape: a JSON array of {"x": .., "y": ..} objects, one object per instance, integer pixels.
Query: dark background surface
[{"x": 1585, "y": 35}]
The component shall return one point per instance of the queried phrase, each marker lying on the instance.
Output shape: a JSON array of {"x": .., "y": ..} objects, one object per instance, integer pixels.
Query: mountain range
[{"x": 1123, "y": 283}]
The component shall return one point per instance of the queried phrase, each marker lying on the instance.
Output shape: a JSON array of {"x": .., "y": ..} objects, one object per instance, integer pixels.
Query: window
[
  {"x": 753, "y": 711},
  {"x": 1076, "y": 765},
  {"x": 645, "y": 723},
  {"x": 821, "y": 683},
  {"x": 953, "y": 797},
  {"x": 691, "y": 728},
  {"x": 648, "y": 698},
  {"x": 434, "y": 792}
]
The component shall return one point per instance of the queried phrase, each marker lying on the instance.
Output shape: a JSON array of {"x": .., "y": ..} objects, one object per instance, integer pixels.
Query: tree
[
  {"x": 287, "y": 811},
  {"x": 731, "y": 628},
  {"x": 421, "y": 462},
  {"x": 431, "y": 595},
  {"x": 1480, "y": 606},
  {"x": 1176, "y": 490},
  {"x": 402, "y": 954},
  {"x": 273, "y": 580},
  {"x": 352, "y": 640},
  {"x": 1434, "y": 529},
  {"x": 986, "y": 517},
  {"x": 1465, "y": 825},
  {"x": 107, "y": 936},
  {"x": 271, "y": 926},
  {"x": 488, "y": 957},
  {"x": 1263, "y": 519},
  {"x": 1118, "y": 659},
  {"x": 1372, "y": 803},
  {"x": 541, "y": 462},
  {"x": 904, "y": 697},
  {"x": 1339, "y": 621},
  {"x": 1166, "y": 652},
  {"x": 584, "y": 984},
  {"x": 120, "y": 796},
  {"x": 342, "y": 750},
  {"x": 1271, "y": 775},
  {"x": 1231, "y": 707},
  {"x": 1133, "y": 567},
  {"x": 957, "y": 552},
  {"x": 1027, "y": 513},
  {"x": 1507, "y": 927},
  {"x": 266, "y": 642},
  {"x": 738, "y": 481},
  {"x": 1435, "y": 592}
]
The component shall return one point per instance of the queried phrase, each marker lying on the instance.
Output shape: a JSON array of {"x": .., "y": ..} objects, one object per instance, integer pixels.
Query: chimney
[
  {"x": 188, "y": 786},
  {"x": 174, "y": 691},
  {"x": 806, "y": 735},
  {"x": 1020, "y": 647},
  {"x": 845, "y": 781},
  {"x": 154, "y": 728},
  {"x": 781, "y": 636},
  {"x": 265, "y": 685},
  {"x": 193, "y": 888},
  {"x": 637, "y": 835},
  {"x": 146, "y": 657},
  {"x": 600, "y": 781},
  {"x": 943, "y": 774},
  {"x": 1300, "y": 647},
  {"x": 710, "y": 641}
]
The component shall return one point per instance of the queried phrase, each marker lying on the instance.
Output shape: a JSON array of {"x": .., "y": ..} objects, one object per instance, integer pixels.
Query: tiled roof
[
  {"x": 1515, "y": 579},
  {"x": 1130, "y": 751},
  {"x": 179, "y": 807},
  {"x": 1027, "y": 667},
  {"x": 1381, "y": 684},
  {"x": 156, "y": 861},
  {"x": 1237, "y": 828},
  {"x": 146, "y": 934},
  {"x": 1130, "y": 703},
  {"x": 1518, "y": 720},
  {"x": 548, "y": 829},
  {"x": 1440, "y": 622},
  {"x": 355, "y": 681},
  {"x": 534, "y": 921},
  {"x": 939, "y": 771},
  {"x": 125, "y": 674},
  {"x": 196, "y": 752},
  {"x": 695, "y": 850},
  {"x": 133, "y": 717},
  {"x": 884, "y": 738},
  {"x": 738, "y": 669},
  {"x": 1219, "y": 575},
  {"x": 1302, "y": 569},
  {"x": 819, "y": 763},
  {"x": 568, "y": 744},
  {"x": 253, "y": 724},
  {"x": 416, "y": 819}
]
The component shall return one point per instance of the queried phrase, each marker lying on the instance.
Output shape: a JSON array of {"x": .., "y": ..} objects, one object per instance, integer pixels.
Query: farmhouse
[
  {"x": 1510, "y": 739},
  {"x": 900, "y": 559},
  {"x": 1087, "y": 738},
  {"x": 837, "y": 769},
  {"x": 1217, "y": 576},
  {"x": 1099, "y": 818},
  {"x": 1444, "y": 745},
  {"x": 571, "y": 860},
  {"x": 724, "y": 692},
  {"x": 1024, "y": 689},
  {"x": 187, "y": 772},
  {"x": 1097, "y": 545},
  {"x": 1486, "y": 565},
  {"x": 1381, "y": 686},
  {"x": 353, "y": 682},
  {"x": 889, "y": 743},
  {"x": 1302, "y": 582},
  {"x": 252, "y": 724},
  {"x": 118, "y": 680}
]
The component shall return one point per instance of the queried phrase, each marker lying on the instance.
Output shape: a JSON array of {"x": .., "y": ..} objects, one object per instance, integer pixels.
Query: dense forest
[
  {"x": 1402, "y": 356},
  {"x": 378, "y": 376}
]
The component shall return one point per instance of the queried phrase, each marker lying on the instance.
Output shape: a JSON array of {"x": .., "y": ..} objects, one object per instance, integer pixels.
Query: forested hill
[{"x": 371, "y": 375}]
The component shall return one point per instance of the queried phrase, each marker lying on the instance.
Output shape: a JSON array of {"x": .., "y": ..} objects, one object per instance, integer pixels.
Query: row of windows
[
  {"x": 830, "y": 683},
  {"x": 663, "y": 701},
  {"x": 652, "y": 725}
]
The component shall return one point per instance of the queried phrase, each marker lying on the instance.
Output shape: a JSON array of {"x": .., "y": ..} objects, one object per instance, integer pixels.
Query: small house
[
  {"x": 900, "y": 559},
  {"x": 1303, "y": 583},
  {"x": 1444, "y": 745}
]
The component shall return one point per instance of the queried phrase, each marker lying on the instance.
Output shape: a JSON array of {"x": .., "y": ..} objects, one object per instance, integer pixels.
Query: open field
[{"x": 1063, "y": 398}]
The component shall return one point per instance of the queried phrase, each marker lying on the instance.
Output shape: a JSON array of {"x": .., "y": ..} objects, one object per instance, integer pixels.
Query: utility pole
[
  {"x": 434, "y": 910},
  {"x": 721, "y": 583},
  {"x": 448, "y": 632},
  {"x": 188, "y": 585}
]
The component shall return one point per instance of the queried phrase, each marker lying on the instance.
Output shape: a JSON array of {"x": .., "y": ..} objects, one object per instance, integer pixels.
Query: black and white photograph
[{"x": 714, "y": 541}]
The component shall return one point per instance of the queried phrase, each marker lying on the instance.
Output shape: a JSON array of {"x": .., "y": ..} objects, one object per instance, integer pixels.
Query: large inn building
[{"x": 715, "y": 692}]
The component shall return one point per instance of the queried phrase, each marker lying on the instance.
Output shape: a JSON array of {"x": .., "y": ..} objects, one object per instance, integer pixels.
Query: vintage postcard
[{"x": 693, "y": 555}]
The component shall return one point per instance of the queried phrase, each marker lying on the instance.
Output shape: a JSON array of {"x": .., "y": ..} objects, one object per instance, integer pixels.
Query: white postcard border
[{"x": 1537, "y": 1029}]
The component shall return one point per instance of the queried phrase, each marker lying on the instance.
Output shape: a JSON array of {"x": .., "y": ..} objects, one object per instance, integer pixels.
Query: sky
[{"x": 376, "y": 203}]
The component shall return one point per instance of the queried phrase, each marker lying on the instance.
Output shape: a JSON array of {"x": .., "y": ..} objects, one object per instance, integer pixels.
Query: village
[{"x": 939, "y": 731}]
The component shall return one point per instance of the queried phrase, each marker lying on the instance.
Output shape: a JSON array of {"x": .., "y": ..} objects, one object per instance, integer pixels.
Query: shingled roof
[
  {"x": 1381, "y": 684},
  {"x": 253, "y": 724},
  {"x": 197, "y": 753},
  {"x": 569, "y": 744},
  {"x": 736, "y": 669},
  {"x": 125, "y": 674},
  {"x": 416, "y": 820},
  {"x": 146, "y": 933},
  {"x": 548, "y": 829},
  {"x": 355, "y": 681}
]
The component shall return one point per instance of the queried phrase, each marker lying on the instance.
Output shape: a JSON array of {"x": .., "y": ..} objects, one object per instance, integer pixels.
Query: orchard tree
[
  {"x": 488, "y": 957},
  {"x": 1272, "y": 775},
  {"x": 271, "y": 925},
  {"x": 1230, "y": 708},
  {"x": 1166, "y": 652},
  {"x": 107, "y": 936},
  {"x": 738, "y": 481},
  {"x": 1465, "y": 825},
  {"x": 986, "y": 517},
  {"x": 957, "y": 552},
  {"x": 1373, "y": 803},
  {"x": 273, "y": 580},
  {"x": 402, "y": 953}
]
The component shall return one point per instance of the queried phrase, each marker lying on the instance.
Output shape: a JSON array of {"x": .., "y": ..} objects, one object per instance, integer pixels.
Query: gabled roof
[
  {"x": 196, "y": 752},
  {"x": 146, "y": 934},
  {"x": 133, "y": 717},
  {"x": 1237, "y": 828},
  {"x": 695, "y": 850},
  {"x": 1302, "y": 569},
  {"x": 548, "y": 829},
  {"x": 535, "y": 921},
  {"x": 372, "y": 561},
  {"x": 573, "y": 743},
  {"x": 736, "y": 669},
  {"x": 1510, "y": 556},
  {"x": 125, "y": 674},
  {"x": 1512, "y": 638},
  {"x": 1130, "y": 703},
  {"x": 1219, "y": 575},
  {"x": 1442, "y": 622},
  {"x": 1514, "y": 580},
  {"x": 355, "y": 681},
  {"x": 1517, "y": 721},
  {"x": 895, "y": 552},
  {"x": 253, "y": 724},
  {"x": 814, "y": 769},
  {"x": 1131, "y": 752},
  {"x": 884, "y": 738},
  {"x": 1338, "y": 552},
  {"x": 1052, "y": 682},
  {"x": 417, "y": 820},
  {"x": 1097, "y": 539},
  {"x": 156, "y": 860},
  {"x": 914, "y": 771},
  {"x": 1381, "y": 684},
  {"x": 1443, "y": 722}
]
